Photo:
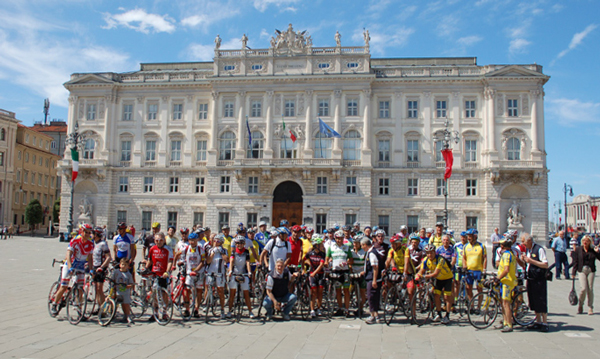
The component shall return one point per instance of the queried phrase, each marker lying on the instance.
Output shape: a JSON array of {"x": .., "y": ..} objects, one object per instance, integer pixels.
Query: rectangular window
[
  {"x": 203, "y": 111},
  {"x": 513, "y": 108},
  {"x": 26, "y": 177},
  {"x": 256, "y": 108},
  {"x": 91, "y": 112},
  {"x": 471, "y": 187},
  {"x": 439, "y": 219},
  {"x": 290, "y": 108},
  {"x": 350, "y": 219},
  {"x": 123, "y": 184},
  {"x": 172, "y": 219},
  {"x": 439, "y": 187},
  {"x": 323, "y": 107},
  {"x": 322, "y": 146},
  {"x": 384, "y": 150},
  {"x": 121, "y": 216},
  {"x": 469, "y": 108},
  {"x": 148, "y": 184},
  {"x": 438, "y": 151},
  {"x": 440, "y": 109},
  {"x": 471, "y": 222},
  {"x": 18, "y": 176},
  {"x": 176, "y": 150},
  {"x": 173, "y": 184},
  {"x": 384, "y": 109},
  {"x": 44, "y": 199},
  {"x": 225, "y": 184},
  {"x": 252, "y": 184},
  {"x": 413, "y": 186},
  {"x": 352, "y": 109},
  {"x": 351, "y": 185},
  {"x": 201, "y": 150},
  {"x": 33, "y": 178},
  {"x": 383, "y": 221},
  {"x": 1, "y": 158},
  {"x": 413, "y": 109},
  {"x": 16, "y": 197},
  {"x": 223, "y": 219},
  {"x": 384, "y": 186},
  {"x": 412, "y": 222},
  {"x": 470, "y": 151},
  {"x": 321, "y": 222},
  {"x": 321, "y": 185},
  {"x": 125, "y": 150},
  {"x": 200, "y": 184},
  {"x": 52, "y": 182},
  {"x": 251, "y": 220},
  {"x": 177, "y": 111},
  {"x": 412, "y": 150},
  {"x": 40, "y": 180},
  {"x": 152, "y": 112},
  {"x": 228, "y": 107},
  {"x": 146, "y": 220},
  {"x": 127, "y": 112},
  {"x": 199, "y": 219},
  {"x": 151, "y": 150}
]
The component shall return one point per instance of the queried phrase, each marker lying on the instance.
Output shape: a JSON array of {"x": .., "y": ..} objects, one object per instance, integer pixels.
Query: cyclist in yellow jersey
[
  {"x": 307, "y": 241},
  {"x": 475, "y": 261},
  {"x": 438, "y": 268},
  {"x": 507, "y": 275},
  {"x": 395, "y": 257},
  {"x": 226, "y": 239},
  {"x": 460, "y": 249},
  {"x": 436, "y": 238}
]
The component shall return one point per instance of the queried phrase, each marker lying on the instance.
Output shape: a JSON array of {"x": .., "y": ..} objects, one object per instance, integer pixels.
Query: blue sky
[{"x": 43, "y": 41}]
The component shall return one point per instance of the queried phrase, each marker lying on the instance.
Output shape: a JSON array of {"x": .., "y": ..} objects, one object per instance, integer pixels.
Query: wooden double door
[{"x": 292, "y": 211}]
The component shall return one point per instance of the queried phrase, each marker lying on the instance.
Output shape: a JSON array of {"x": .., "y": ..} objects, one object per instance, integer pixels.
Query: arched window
[
  {"x": 289, "y": 148},
  {"x": 88, "y": 149},
  {"x": 352, "y": 144},
  {"x": 513, "y": 149},
  {"x": 322, "y": 146},
  {"x": 255, "y": 150},
  {"x": 227, "y": 146}
]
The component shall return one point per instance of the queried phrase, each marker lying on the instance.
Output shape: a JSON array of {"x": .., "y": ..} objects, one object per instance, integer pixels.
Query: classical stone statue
[
  {"x": 244, "y": 41},
  {"x": 217, "y": 42},
  {"x": 367, "y": 37},
  {"x": 338, "y": 39},
  {"x": 86, "y": 207},
  {"x": 514, "y": 214}
]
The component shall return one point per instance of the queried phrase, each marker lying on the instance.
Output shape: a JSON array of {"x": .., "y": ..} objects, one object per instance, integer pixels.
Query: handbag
[
  {"x": 549, "y": 275},
  {"x": 573, "y": 296}
]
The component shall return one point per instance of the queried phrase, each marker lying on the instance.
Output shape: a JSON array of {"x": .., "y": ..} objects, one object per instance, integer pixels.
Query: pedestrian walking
[
  {"x": 495, "y": 239},
  {"x": 537, "y": 287},
  {"x": 559, "y": 247},
  {"x": 584, "y": 264}
]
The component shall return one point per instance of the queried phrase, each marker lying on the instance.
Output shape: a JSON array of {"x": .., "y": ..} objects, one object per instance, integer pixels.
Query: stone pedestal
[
  {"x": 517, "y": 227},
  {"x": 84, "y": 218}
]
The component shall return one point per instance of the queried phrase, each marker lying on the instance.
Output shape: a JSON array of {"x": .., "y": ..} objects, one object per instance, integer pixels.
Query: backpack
[{"x": 275, "y": 245}]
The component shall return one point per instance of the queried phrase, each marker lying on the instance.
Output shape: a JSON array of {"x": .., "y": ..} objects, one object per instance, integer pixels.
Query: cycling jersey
[
  {"x": 239, "y": 261},
  {"x": 277, "y": 249},
  {"x": 508, "y": 259},
  {"x": 459, "y": 248},
  {"x": 80, "y": 250},
  {"x": 416, "y": 256},
  {"x": 516, "y": 250},
  {"x": 227, "y": 244},
  {"x": 447, "y": 253},
  {"x": 101, "y": 250},
  {"x": 217, "y": 265},
  {"x": 171, "y": 242},
  {"x": 315, "y": 260},
  {"x": 160, "y": 257},
  {"x": 339, "y": 256},
  {"x": 359, "y": 261},
  {"x": 398, "y": 256},
  {"x": 306, "y": 246},
  {"x": 296, "y": 251},
  {"x": 474, "y": 254},
  {"x": 192, "y": 257},
  {"x": 123, "y": 244},
  {"x": 262, "y": 238},
  {"x": 435, "y": 240},
  {"x": 181, "y": 245},
  {"x": 441, "y": 263},
  {"x": 253, "y": 244}
]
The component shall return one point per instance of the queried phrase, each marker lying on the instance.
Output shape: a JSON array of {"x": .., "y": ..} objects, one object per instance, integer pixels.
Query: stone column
[
  {"x": 490, "y": 95},
  {"x": 535, "y": 94},
  {"x": 211, "y": 158},
  {"x": 268, "y": 152},
  {"x": 337, "y": 150},
  {"x": 138, "y": 118},
  {"x": 241, "y": 138},
  {"x": 308, "y": 98},
  {"x": 397, "y": 140},
  {"x": 367, "y": 123}
]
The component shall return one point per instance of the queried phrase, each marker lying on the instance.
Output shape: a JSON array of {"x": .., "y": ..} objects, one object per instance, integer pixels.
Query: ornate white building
[{"x": 169, "y": 142}]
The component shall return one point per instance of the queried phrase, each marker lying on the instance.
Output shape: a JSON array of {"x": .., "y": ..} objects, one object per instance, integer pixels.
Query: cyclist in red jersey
[
  {"x": 160, "y": 261},
  {"x": 296, "y": 244}
]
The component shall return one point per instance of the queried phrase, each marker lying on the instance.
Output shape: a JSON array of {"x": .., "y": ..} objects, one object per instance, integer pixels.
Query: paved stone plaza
[{"x": 27, "y": 331}]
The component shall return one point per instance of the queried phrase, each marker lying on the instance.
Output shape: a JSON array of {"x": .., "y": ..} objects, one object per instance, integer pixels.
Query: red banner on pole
[
  {"x": 449, "y": 159},
  {"x": 594, "y": 212}
]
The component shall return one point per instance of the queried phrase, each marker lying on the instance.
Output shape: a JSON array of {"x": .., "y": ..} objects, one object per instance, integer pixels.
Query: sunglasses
[{"x": 88, "y": 232}]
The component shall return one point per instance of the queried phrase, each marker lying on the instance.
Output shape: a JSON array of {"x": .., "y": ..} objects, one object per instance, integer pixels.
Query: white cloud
[
  {"x": 518, "y": 46},
  {"x": 376, "y": 8},
  {"x": 289, "y": 9},
  {"x": 264, "y": 34},
  {"x": 140, "y": 20},
  {"x": 469, "y": 40},
  {"x": 407, "y": 12},
  {"x": 573, "y": 112},
  {"x": 262, "y": 5},
  {"x": 201, "y": 52},
  {"x": 384, "y": 38},
  {"x": 577, "y": 39},
  {"x": 448, "y": 25},
  {"x": 207, "y": 12}
]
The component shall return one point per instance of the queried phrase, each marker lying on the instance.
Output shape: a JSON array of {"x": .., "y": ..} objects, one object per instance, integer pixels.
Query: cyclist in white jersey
[
  {"x": 239, "y": 264},
  {"x": 216, "y": 258},
  {"x": 193, "y": 257}
]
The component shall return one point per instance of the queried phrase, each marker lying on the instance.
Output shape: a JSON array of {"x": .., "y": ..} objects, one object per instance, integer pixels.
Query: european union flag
[{"x": 327, "y": 131}]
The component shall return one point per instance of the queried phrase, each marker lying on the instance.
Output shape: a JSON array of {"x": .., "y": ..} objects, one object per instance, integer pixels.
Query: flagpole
[
  {"x": 283, "y": 136},
  {"x": 321, "y": 143}
]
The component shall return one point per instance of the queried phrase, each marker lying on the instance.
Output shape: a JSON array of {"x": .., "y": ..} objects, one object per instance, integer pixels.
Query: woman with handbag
[{"x": 584, "y": 263}]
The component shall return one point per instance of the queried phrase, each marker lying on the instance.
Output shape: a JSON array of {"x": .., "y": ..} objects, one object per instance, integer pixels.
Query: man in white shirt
[{"x": 277, "y": 248}]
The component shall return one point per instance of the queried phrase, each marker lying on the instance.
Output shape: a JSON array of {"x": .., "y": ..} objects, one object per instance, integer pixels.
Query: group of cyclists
[{"x": 234, "y": 261}]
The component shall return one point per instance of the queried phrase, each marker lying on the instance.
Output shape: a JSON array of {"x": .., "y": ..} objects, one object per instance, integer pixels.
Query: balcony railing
[
  {"x": 383, "y": 164},
  {"x": 351, "y": 163},
  {"x": 520, "y": 164},
  {"x": 150, "y": 164},
  {"x": 441, "y": 164},
  {"x": 174, "y": 163},
  {"x": 412, "y": 164},
  {"x": 125, "y": 163},
  {"x": 201, "y": 163},
  {"x": 471, "y": 165},
  {"x": 225, "y": 163}
]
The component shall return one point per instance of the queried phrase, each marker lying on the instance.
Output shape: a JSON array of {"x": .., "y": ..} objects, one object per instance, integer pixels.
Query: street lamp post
[
  {"x": 75, "y": 141},
  {"x": 567, "y": 189},
  {"x": 557, "y": 205},
  {"x": 448, "y": 136}
]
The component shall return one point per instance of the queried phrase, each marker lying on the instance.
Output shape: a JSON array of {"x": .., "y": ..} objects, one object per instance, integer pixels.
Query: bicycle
[
  {"x": 423, "y": 304},
  {"x": 74, "y": 298},
  {"x": 356, "y": 299},
  {"x": 303, "y": 293},
  {"x": 462, "y": 301},
  {"x": 211, "y": 293},
  {"x": 158, "y": 298},
  {"x": 239, "y": 303},
  {"x": 336, "y": 280},
  {"x": 108, "y": 309},
  {"x": 141, "y": 296},
  {"x": 396, "y": 299},
  {"x": 54, "y": 288}
]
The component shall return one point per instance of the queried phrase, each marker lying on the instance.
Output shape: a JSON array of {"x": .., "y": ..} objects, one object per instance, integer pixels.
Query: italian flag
[
  {"x": 75, "y": 159},
  {"x": 292, "y": 136}
]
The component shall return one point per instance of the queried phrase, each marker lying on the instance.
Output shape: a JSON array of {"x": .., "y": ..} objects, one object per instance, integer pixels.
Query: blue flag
[
  {"x": 249, "y": 133},
  {"x": 327, "y": 131}
]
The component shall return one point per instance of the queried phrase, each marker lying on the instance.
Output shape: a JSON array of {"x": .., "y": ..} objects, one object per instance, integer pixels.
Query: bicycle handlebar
[{"x": 61, "y": 261}]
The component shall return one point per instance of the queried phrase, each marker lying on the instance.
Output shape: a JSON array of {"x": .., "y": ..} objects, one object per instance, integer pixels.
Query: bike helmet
[
  {"x": 379, "y": 231},
  {"x": 220, "y": 238},
  {"x": 184, "y": 230},
  {"x": 336, "y": 226},
  {"x": 199, "y": 230},
  {"x": 310, "y": 230},
  {"x": 358, "y": 238},
  {"x": 194, "y": 235},
  {"x": 155, "y": 225},
  {"x": 397, "y": 237},
  {"x": 283, "y": 222},
  {"x": 317, "y": 240},
  {"x": 403, "y": 227},
  {"x": 284, "y": 230},
  {"x": 87, "y": 227},
  {"x": 346, "y": 228},
  {"x": 414, "y": 236},
  {"x": 463, "y": 233},
  {"x": 470, "y": 231},
  {"x": 250, "y": 230},
  {"x": 262, "y": 223},
  {"x": 339, "y": 234},
  {"x": 99, "y": 230},
  {"x": 356, "y": 224},
  {"x": 121, "y": 225},
  {"x": 240, "y": 239},
  {"x": 430, "y": 248},
  {"x": 505, "y": 241},
  {"x": 296, "y": 228},
  {"x": 273, "y": 232}
]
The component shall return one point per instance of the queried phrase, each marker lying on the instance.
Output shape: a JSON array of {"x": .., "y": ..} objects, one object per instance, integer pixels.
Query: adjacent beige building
[{"x": 8, "y": 134}]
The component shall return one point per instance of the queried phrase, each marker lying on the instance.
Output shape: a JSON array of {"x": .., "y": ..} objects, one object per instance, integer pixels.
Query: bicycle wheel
[
  {"x": 483, "y": 310},
  {"x": 139, "y": 302},
  {"x": 461, "y": 302},
  {"x": 210, "y": 302},
  {"x": 422, "y": 305},
  {"x": 192, "y": 303},
  {"x": 51, "y": 295},
  {"x": 304, "y": 301},
  {"x": 91, "y": 305},
  {"x": 164, "y": 311},
  {"x": 76, "y": 304},
  {"x": 258, "y": 289},
  {"x": 522, "y": 314},
  {"x": 331, "y": 299},
  {"x": 390, "y": 305},
  {"x": 359, "y": 306},
  {"x": 107, "y": 312},
  {"x": 239, "y": 305}
]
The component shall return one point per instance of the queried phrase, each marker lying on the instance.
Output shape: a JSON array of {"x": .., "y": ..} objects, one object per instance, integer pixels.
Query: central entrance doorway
[{"x": 287, "y": 203}]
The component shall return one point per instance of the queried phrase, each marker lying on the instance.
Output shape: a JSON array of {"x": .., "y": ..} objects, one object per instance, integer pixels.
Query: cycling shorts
[
  {"x": 362, "y": 283},
  {"x": 474, "y": 276},
  {"x": 345, "y": 280},
  {"x": 458, "y": 275},
  {"x": 196, "y": 281},
  {"x": 317, "y": 281},
  {"x": 442, "y": 285},
  {"x": 245, "y": 285},
  {"x": 219, "y": 280},
  {"x": 99, "y": 277},
  {"x": 163, "y": 282},
  {"x": 66, "y": 276},
  {"x": 506, "y": 291}
]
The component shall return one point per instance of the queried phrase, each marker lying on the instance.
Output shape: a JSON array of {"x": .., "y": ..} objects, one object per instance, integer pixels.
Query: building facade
[
  {"x": 57, "y": 129},
  {"x": 35, "y": 175},
  {"x": 171, "y": 142},
  {"x": 579, "y": 213},
  {"x": 8, "y": 134}
]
